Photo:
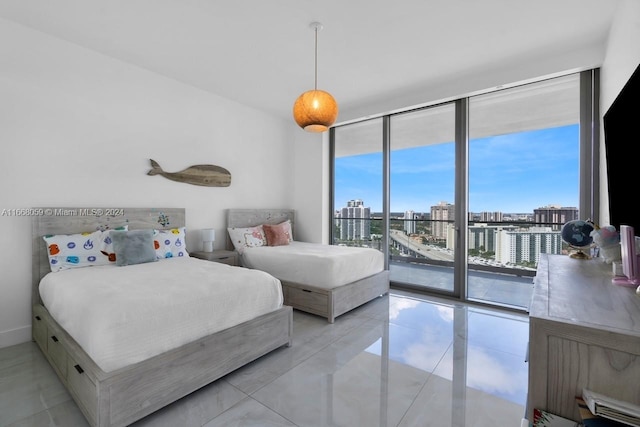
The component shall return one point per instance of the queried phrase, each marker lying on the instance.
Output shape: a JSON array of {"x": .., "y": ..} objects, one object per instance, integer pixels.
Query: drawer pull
[
  {"x": 38, "y": 318},
  {"x": 54, "y": 338},
  {"x": 79, "y": 369},
  {"x": 306, "y": 290}
]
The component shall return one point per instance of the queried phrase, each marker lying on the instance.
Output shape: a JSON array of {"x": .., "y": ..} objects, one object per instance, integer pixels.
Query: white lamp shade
[{"x": 208, "y": 237}]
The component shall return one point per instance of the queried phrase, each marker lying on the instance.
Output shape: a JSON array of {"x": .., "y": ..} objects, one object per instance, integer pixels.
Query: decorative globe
[{"x": 577, "y": 234}]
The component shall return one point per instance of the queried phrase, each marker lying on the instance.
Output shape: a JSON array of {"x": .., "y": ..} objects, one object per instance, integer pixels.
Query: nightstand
[{"x": 220, "y": 255}]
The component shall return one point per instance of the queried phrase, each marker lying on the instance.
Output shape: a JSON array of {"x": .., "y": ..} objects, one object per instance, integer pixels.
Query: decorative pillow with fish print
[
  {"x": 170, "y": 243},
  {"x": 248, "y": 237},
  {"x": 86, "y": 249}
]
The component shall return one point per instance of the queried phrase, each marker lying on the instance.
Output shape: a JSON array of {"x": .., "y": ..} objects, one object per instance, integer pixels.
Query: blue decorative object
[
  {"x": 577, "y": 234},
  {"x": 163, "y": 220}
]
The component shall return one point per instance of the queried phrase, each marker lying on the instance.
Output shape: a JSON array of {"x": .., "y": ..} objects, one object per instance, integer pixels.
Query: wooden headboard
[
  {"x": 78, "y": 220},
  {"x": 252, "y": 217}
]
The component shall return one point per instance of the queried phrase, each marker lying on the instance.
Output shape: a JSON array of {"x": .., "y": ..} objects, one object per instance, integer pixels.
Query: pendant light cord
[
  {"x": 315, "y": 110},
  {"x": 316, "y": 59}
]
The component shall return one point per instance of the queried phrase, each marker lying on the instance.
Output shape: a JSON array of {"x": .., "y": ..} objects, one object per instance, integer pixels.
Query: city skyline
[{"x": 512, "y": 173}]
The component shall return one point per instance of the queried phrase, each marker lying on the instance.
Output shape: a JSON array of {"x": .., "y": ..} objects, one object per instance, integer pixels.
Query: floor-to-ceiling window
[
  {"x": 477, "y": 188},
  {"x": 358, "y": 185},
  {"x": 524, "y": 183},
  {"x": 422, "y": 192}
]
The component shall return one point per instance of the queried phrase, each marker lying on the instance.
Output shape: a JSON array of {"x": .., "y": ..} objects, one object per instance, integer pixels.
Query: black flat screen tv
[{"x": 622, "y": 140}]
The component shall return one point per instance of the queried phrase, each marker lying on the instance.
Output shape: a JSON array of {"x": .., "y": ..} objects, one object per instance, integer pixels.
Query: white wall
[
  {"x": 623, "y": 57},
  {"x": 78, "y": 129},
  {"x": 311, "y": 186}
]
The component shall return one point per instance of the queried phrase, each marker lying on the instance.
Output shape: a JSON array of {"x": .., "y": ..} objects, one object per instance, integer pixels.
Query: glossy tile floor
[{"x": 401, "y": 360}]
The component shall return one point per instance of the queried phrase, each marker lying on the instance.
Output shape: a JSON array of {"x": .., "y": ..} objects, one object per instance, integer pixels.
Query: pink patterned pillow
[{"x": 279, "y": 234}]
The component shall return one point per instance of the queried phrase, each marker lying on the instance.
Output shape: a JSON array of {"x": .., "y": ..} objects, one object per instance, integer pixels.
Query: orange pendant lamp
[{"x": 315, "y": 110}]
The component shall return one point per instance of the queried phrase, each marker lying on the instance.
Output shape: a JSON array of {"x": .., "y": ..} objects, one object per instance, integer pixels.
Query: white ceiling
[{"x": 261, "y": 53}]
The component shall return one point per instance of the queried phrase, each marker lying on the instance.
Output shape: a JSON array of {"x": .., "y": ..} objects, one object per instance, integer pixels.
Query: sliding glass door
[
  {"x": 422, "y": 194},
  {"x": 463, "y": 197},
  {"x": 524, "y": 176}
]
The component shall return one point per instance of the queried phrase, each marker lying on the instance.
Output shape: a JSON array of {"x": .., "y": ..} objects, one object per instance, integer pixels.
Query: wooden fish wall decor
[{"x": 205, "y": 175}]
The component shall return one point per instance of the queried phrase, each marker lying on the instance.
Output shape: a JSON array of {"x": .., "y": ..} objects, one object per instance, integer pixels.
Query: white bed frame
[
  {"x": 120, "y": 397},
  {"x": 329, "y": 303}
]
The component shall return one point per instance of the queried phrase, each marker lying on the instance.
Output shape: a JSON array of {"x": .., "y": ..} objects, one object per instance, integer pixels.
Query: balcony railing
[{"x": 425, "y": 247}]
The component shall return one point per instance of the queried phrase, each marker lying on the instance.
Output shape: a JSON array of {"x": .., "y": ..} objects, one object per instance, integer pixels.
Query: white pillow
[
  {"x": 67, "y": 251},
  {"x": 170, "y": 243},
  {"x": 248, "y": 237}
]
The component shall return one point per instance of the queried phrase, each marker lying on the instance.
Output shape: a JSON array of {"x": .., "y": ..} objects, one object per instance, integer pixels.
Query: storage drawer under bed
[
  {"x": 52, "y": 342},
  {"x": 313, "y": 301},
  {"x": 39, "y": 331},
  {"x": 56, "y": 351},
  {"x": 84, "y": 388}
]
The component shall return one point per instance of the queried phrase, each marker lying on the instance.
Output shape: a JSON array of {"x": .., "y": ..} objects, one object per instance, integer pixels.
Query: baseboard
[{"x": 15, "y": 336}]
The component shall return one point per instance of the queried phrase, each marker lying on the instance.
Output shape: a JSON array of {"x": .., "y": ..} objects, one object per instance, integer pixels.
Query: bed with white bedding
[
  {"x": 128, "y": 340},
  {"x": 321, "y": 279},
  {"x": 325, "y": 266},
  {"x": 122, "y": 316}
]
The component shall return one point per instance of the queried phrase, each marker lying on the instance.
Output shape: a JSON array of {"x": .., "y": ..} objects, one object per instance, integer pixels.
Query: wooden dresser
[{"x": 584, "y": 332}]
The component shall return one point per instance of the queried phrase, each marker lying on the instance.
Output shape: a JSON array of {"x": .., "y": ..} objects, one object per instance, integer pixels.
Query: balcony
[
  {"x": 488, "y": 286},
  {"x": 501, "y": 260}
]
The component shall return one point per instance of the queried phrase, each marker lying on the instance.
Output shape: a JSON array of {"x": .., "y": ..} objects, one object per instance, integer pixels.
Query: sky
[{"x": 512, "y": 173}]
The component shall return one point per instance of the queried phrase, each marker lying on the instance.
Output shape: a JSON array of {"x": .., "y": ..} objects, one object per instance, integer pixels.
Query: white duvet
[
  {"x": 123, "y": 315},
  {"x": 324, "y": 266}
]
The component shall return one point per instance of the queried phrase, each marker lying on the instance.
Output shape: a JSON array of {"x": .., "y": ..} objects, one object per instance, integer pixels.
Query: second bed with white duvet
[{"x": 323, "y": 266}]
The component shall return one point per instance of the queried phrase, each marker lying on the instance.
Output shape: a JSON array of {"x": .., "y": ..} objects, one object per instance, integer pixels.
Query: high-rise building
[
  {"x": 526, "y": 246},
  {"x": 409, "y": 222},
  {"x": 355, "y": 221},
  {"x": 511, "y": 244},
  {"x": 485, "y": 237},
  {"x": 554, "y": 216},
  {"x": 490, "y": 216},
  {"x": 441, "y": 214}
]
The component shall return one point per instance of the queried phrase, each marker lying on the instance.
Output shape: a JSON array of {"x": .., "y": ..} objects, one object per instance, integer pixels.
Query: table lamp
[{"x": 208, "y": 237}]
